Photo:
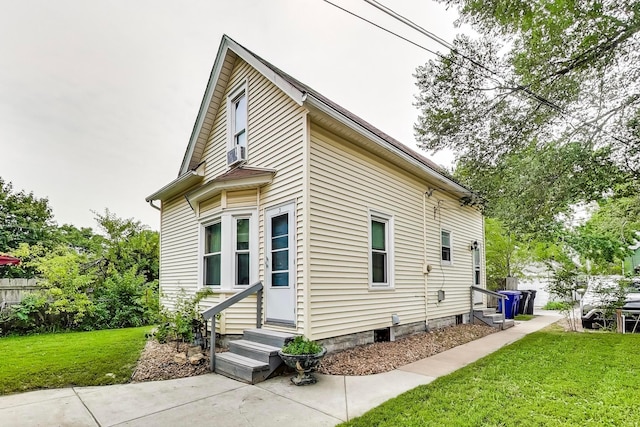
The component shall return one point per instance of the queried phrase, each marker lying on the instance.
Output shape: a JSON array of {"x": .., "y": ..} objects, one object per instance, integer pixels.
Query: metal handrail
[
  {"x": 492, "y": 293},
  {"x": 212, "y": 312}
]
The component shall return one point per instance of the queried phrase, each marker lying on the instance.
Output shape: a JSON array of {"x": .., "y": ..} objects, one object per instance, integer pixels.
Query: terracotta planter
[{"x": 305, "y": 364}]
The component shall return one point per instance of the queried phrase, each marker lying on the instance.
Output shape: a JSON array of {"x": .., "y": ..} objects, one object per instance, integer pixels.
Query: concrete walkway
[{"x": 216, "y": 400}]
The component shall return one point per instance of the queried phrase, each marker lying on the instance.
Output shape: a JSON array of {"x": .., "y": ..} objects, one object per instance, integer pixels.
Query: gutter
[{"x": 182, "y": 183}]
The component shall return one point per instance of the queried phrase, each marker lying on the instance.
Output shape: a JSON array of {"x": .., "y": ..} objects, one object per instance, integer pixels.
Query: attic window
[
  {"x": 237, "y": 124},
  {"x": 240, "y": 121}
]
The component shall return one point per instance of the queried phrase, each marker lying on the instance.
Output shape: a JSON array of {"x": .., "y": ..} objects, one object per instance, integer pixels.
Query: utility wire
[
  {"x": 518, "y": 87},
  {"x": 438, "y": 54},
  {"x": 452, "y": 48}
]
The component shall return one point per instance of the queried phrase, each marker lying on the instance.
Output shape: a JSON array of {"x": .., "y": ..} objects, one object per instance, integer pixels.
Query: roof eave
[
  {"x": 327, "y": 109},
  {"x": 178, "y": 185},
  {"x": 215, "y": 187}
]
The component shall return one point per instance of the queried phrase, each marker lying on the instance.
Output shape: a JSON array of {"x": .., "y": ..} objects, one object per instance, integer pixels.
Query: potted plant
[{"x": 304, "y": 356}]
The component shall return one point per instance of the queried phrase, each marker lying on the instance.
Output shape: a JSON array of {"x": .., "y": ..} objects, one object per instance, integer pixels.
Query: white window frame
[
  {"x": 235, "y": 250},
  {"x": 227, "y": 218},
  {"x": 450, "y": 261},
  {"x": 389, "y": 240},
  {"x": 203, "y": 254},
  {"x": 234, "y": 95},
  {"x": 477, "y": 267}
]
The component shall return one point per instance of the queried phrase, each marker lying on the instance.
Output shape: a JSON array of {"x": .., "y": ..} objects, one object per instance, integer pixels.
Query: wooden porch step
[
  {"x": 492, "y": 318},
  {"x": 265, "y": 336},
  {"x": 257, "y": 351},
  {"x": 241, "y": 368}
]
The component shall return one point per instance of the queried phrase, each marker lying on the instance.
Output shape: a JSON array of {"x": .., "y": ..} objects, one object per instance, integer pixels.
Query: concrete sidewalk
[{"x": 216, "y": 400}]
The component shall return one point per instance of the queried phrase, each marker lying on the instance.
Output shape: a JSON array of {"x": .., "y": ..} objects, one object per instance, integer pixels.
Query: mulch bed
[
  {"x": 157, "y": 360},
  {"x": 386, "y": 356}
]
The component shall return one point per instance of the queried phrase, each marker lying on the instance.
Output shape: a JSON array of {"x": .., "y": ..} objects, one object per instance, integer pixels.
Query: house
[{"x": 349, "y": 231}]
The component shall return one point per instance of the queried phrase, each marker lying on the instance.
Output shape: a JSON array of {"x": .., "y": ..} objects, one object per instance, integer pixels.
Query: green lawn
[
  {"x": 69, "y": 359},
  {"x": 549, "y": 378}
]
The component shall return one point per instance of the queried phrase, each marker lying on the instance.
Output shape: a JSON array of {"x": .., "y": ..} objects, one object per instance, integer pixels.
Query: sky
[{"x": 98, "y": 98}]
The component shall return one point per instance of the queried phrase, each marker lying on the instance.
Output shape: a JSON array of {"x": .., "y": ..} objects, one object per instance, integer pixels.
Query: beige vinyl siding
[
  {"x": 345, "y": 184},
  {"x": 240, "y": 199},
  {"x": 465, "y": 225},
  {"x": 179, "y": 255},
  {"x": 275, "y": 133},
  {"x": 236, "y": 319},
  {"x": 210, "y": 205}
]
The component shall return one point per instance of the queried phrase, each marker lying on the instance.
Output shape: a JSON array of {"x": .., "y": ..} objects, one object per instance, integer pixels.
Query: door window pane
[
  {"x": 280, "y": 279},
  {"x": 280, "y": 242},
  {"x": 280, "y": 225},
  {"x": 281, "y": 260}
]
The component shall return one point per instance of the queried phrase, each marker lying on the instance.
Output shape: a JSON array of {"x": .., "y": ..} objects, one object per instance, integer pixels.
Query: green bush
[
  {"x": 557, "y": 305},
  {"x": 301, "y": 345},
  {"x": 181, "y": 323}
]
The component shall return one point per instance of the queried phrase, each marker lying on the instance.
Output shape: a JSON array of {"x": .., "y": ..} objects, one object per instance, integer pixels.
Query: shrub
[
  {"x": 181, "y": 323},
  {"x": 557, "y": 305}
]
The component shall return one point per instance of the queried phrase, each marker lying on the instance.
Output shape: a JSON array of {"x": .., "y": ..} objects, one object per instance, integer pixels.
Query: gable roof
[{"x": 302, "y": 94}]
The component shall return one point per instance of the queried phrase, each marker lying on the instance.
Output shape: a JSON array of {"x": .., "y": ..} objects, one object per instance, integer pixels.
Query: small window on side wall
[
  {"x": 445, "y": 242},
  {"x": 381, "y": 251}
]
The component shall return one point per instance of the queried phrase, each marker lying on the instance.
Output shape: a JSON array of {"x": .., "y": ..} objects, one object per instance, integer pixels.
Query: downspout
[
  {"x": 425, "y": 268},
  {"x": 154, "y": 206}
]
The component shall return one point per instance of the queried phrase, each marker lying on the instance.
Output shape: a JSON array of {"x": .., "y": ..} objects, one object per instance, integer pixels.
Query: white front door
[{"x": 280, "y": 271}]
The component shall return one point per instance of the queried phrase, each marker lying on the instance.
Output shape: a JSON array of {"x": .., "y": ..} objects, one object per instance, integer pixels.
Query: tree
[
  {"x": 543, "y": 110},
  {"x": 505, "y": 254},
  {"x": 24, "y": 218},
  {"x": 128, "y": 244}
]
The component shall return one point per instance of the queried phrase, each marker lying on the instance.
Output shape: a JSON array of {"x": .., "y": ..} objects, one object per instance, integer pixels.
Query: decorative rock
[
  {"x": 196, "y": 359},
  {"x": 180, "y": 358},
  {"x": 194, "y": 351}
]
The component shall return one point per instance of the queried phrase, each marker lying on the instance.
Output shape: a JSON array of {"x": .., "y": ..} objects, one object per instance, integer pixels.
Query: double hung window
[
  {"x": 230, "y": 250},
  {"x": 476, "y": 266},
  {"x": 242, "y": 252},
  {"x": 239, "y": 131},
  {"x": 380, "y": 251},
  {"x": 445, "y": 242},
  {"x": 212, "y": 254}
]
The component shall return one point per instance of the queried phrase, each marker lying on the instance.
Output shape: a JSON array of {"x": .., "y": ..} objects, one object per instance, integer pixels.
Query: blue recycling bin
[{"x": 510, "y": 304}]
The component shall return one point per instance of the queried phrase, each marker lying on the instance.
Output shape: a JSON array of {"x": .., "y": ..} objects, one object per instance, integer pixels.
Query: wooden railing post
[
  {"x": 471, "y": 316},
  {"x": 259, "y": 309},
  {"x": 212, "y": 343},
  {"x": 212, "y": 312}
]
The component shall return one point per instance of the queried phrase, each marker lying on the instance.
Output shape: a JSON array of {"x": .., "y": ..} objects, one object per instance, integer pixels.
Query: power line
[
  {"x": 516, "y": 87},
  {"x": 452, "y": 48},
  {"x": 438, "y": 54}
]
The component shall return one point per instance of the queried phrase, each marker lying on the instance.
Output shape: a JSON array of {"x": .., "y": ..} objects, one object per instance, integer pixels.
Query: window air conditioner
[{"x": 236, "y": 155}]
